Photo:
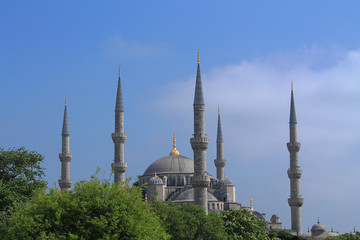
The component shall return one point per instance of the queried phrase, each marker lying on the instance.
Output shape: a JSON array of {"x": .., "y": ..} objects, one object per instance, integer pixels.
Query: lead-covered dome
[
  {"x": 171, "y": 164},
  {"x": 188, "y": 195},
  {"x": 318, "y": 229},
  {"x": 155, "y": 181}
]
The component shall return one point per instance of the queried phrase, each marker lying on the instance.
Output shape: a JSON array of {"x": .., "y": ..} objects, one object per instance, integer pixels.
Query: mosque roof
[
  {"x": 171, "y": 164},
  {"x": 226, "y": 181},
  {"x": 188, "y": 195},
  {"x": 318, "y": 229},
  {"x": 155, "y": 181}
]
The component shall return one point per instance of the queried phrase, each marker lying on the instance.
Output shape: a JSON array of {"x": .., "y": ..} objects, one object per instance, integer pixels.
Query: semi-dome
[
  {"x": 171, "y": 164},
  {"x": 226, "y": 181},
  {"x": 155, "y": 181},
  {"x": 188, "y": 195}
]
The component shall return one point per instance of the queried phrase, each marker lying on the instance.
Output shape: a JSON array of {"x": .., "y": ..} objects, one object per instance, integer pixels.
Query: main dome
[{"x": 171, "y": 164}]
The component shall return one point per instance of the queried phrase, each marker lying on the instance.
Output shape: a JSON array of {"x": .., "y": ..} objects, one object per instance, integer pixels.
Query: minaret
[
  {"x": 294, "y": 172},
  {"x": 119, "y": 166},
  {"x": 199, "y": 143},
  {"x": 65, "y": 155},
  {"x": 219, "y": 161}
]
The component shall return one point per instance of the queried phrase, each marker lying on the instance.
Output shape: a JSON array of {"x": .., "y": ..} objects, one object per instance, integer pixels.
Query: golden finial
[
  {"x": 65, "y": 101},
  {"x": 174, "y": 151},
  {"x": 146, "y": 198},
  {"x": 251, "y": 204},
  {"x": 119, "y": 70},
  {"x": 199, "y": 56},
  {"x": 155, "y": 174},
  {"x": 218, "y": 108},
  {"x": 225, "y": 176},
  {"x": 292, "y": 85}
]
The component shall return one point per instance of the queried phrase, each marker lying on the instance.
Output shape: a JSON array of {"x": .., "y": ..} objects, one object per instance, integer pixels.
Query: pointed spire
[
  {"x": 292, "y": 107},
  {"x": 119, "y": 103},
  {"x": 219, "y": 138},
  {"x": 174, "y": 151},
  {"x": 199, "y": 96},
  {"x": 251, "y": 204},
  {"x": 65, "y": 128}
]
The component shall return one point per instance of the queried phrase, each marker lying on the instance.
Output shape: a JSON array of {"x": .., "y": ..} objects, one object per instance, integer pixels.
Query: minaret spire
[
  {"x": 219, "y": 161},
  {"x": 199, "y": 96},
  {"x": 199, "y": 143},
  {"x": 119, "y": 166},
  {"x": 65, "y": 156},
  {"x": 294, "y": 172}
]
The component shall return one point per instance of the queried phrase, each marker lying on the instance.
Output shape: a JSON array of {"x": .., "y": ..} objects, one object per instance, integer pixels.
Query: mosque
[{"x": 182, "y": 180}]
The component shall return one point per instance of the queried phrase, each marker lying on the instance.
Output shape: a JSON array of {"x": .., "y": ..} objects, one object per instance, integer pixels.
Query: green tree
[
  {"x": 273, "y": 234},
  {"x": 189, "y": 221},
  {"x": 20, "y": 176},
  {"x": 92, "y": 210},
  {"x": 241, "y": 224},
  {"x": 347, "y": 236}
]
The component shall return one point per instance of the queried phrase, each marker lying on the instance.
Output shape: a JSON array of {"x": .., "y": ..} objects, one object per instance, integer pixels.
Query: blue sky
[{"x": 250, "y": 51}]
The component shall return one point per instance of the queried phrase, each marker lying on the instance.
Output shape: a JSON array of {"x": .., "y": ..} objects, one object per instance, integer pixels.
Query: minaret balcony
[
  {"x": 200, "y": 181},
  {"x": 199, "y": 143},
  {"x": 118, "y": 137},
  {"x": 119, "y": 167},
  {"x": 294, "y": 173},
  {"x": 65, "y": 157},
  {"x": 293, "y": 146},
  {"x": 220, "y": 163},
  {"x": 65, "y": 183},
  {"x": 295, "y": 202}
]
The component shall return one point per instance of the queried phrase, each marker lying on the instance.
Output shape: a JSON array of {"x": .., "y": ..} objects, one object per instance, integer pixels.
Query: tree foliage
[
  {"x": 273, "y": 234},
  {"x": 20, "y": 176},
  {"x": 241, "y": 224},
  {"x": 189, "y": 221},
  {"x": 93, "y": 210},
  {"x": 347, "y": 236}
]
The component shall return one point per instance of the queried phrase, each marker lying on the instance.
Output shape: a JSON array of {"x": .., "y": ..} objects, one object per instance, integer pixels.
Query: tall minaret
[
  {"x": 199, "y": 143},
  {"x": 65, "y": 155},
  {"x": 119, "y": 166},
  {"x": 294, "y": 172},
  {"x": 219, "y": 161}
]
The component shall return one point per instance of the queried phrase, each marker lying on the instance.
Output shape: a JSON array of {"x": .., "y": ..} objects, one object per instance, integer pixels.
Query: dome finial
[
  {"x": 225, "y": 176},
  {"x": 155, "y": 174},
  {"x": 198, "y": 56},
  {"x": 251, "y": 204},
  {"x": 174, "y": 151},
  {"x": 318, "y": 220}
]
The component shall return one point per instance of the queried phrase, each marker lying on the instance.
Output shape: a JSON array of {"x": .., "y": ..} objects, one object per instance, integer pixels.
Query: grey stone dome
[
  {"x": 259, "y": 215},
  {"x": 155, "y": 181},
  {"x": 171, "y": 164},
  {"x": 318, "y": 229},
  {"x": 226, "y": 181},
  {"x": 188, "y": 195}
]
